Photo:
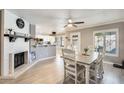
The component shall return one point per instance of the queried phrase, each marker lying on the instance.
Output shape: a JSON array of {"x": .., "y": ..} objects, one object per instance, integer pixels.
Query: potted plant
[{"x": 86, "y": 50}]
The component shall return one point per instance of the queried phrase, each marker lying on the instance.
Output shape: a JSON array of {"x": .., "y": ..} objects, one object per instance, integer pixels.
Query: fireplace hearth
[{"x": 19, "y": 59}]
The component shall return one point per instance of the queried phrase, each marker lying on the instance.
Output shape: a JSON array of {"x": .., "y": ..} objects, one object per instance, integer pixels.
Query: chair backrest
[
  {"x": 102, "y": 52},
  {"x": 68, "y": 53},
  {"x": 69, "y": 56},
  {"x": 99, "y": 58}
]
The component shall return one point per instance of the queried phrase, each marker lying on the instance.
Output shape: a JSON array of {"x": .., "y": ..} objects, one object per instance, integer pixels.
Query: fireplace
[
  {"x": 19, "y": 59},
  {"x": 18, "y": 62}
]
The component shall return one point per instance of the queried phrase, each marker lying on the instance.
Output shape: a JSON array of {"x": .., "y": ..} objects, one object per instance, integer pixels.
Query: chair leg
[
  {"x": 64, "y": 71},
  {"x": 75, "y": 79},
  {"x": 76, "y": 74},
  {"x": 64, "y": 74},
  {"x": 84, "y": 76},
  {"x": 96, "y": 80}
]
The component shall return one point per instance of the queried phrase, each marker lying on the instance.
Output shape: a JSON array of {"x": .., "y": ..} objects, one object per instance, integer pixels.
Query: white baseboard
[
  {"x": 108, "y": 62},
  {"x": 28, "y": 67},
  {"x": 44, "y": 59}
]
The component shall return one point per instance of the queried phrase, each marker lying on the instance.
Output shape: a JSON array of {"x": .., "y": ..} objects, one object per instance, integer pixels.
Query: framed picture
[{"x": 20, "y": 23}]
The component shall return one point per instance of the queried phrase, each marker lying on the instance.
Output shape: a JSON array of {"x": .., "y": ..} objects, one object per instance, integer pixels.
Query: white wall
[{"x": 13, "y": 47}]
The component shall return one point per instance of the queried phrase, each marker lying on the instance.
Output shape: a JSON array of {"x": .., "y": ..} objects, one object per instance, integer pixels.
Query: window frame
[{"x": 117, "y": 41}]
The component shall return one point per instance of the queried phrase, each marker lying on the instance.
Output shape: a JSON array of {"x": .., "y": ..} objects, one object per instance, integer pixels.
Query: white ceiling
[{"x": 49, "y": 20}]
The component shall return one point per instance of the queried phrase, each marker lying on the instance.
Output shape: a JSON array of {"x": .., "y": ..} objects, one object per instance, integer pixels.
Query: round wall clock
[{"x": 20, "y": 23}]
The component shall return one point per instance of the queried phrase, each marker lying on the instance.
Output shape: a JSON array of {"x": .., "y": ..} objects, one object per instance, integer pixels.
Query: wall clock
[{"x": 20, "y": 23}]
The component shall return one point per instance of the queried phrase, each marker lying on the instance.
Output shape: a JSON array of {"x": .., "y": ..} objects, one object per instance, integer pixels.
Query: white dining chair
[
  {"x": 96, "y": 68},
  {"x": 101, "y": 69},
  {"x": 96, "y": 71},
  {"x": 71, "y": 68}
]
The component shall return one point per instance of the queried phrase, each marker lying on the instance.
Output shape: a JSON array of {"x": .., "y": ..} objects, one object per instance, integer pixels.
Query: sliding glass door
[{"x": 107, "y": 39}]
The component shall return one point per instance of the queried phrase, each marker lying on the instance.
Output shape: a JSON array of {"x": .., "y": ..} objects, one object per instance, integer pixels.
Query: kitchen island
[{"x": 42, "y": 52}]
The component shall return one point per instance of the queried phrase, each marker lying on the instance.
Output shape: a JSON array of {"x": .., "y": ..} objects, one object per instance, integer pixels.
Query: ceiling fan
[{"x": 72, "y": 24}]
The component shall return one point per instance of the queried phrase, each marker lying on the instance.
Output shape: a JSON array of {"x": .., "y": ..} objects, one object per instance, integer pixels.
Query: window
[{"x": 107, "y": 39}]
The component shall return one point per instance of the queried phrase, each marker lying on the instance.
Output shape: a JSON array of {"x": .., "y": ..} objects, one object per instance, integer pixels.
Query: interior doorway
[{"x": 75, "y": 41}]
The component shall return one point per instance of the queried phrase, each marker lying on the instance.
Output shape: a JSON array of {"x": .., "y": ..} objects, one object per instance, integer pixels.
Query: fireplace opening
[{"x": 19, "y": 59}]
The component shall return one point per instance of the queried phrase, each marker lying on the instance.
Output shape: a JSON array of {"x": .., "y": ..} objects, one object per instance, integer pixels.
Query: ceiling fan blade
[
  {"x": 74, "y": 25},
  {"x": 78, "y": 22},
  {"x": 65, "y": 26}
]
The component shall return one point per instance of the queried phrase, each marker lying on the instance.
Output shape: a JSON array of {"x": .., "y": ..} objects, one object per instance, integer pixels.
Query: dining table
[{"x": 86, "y": 60}]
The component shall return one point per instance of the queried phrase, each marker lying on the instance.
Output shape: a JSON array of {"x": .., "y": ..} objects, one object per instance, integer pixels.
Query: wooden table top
[{"x": 86, "y": 59}]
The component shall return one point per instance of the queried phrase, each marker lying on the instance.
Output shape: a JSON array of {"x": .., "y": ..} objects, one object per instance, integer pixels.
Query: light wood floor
[{"x": 51, "y": 72}]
